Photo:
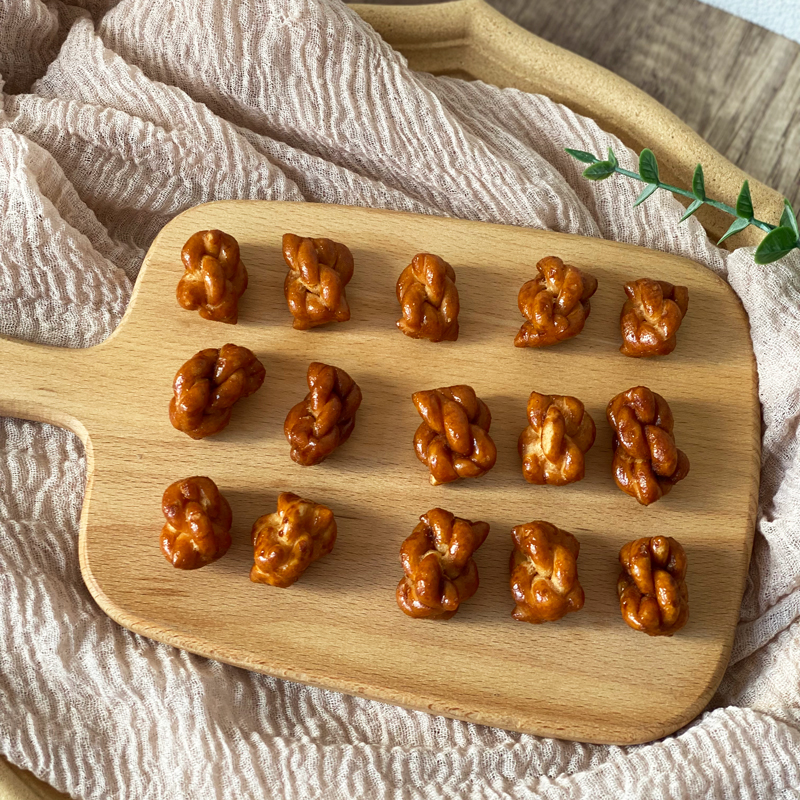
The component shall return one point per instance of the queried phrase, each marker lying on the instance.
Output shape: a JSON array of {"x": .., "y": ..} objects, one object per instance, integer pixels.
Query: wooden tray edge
[{"x": 469, "y": 36}]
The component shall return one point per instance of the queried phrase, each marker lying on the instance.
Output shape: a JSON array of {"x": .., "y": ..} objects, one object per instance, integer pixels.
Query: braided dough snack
[
  {"x": 325, "y": 417},
  {"x": 198, "y": 526},
  {"x": 651, "y": 317},
  {"x": 440, "y": 572},
  {"x": 553, "y": 444},
  {"x": 453, "y": 440},
  {"x": 647, "y": 464},
  {"x": 556, "y": 303},
  {"x": 319, "y": 270},
  {"x": 544, "y": 573},
  {"x": 215, "y": 277},
  {"x": 207, "y": 386},
  {"x": 287, "y": 542},
  {"x": 652, "y": 589},
  {"x": 426, "y": 291}
]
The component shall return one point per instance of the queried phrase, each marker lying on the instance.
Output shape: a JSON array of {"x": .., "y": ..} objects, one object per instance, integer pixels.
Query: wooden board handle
[{"x": 45, "y": 384}]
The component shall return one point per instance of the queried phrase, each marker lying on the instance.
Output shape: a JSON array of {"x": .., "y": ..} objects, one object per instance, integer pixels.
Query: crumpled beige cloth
[{"x": 115, "y": 118}]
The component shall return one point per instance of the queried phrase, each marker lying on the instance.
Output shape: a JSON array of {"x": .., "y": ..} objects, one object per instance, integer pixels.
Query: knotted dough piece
[
  {"x": 287, "y": 542},
  {"x": 319, "y": 270},
  {"x": 207, "y": 386},
  {"x": 553, "y": 445},
  {"x": 651, "y": 317},
  {"x": 555, "y": 302},
  {"x": 426, "y": 291},
  {"x": 215, "y": 277},
  {"x": 647, "y": 463},
  {"x": 652, "y": 588},
  {"x": 453, "y": 440},
  {"x": 325, "y": 417},
  {"x": 544, "y": 573},
  {"x": 198, "y": 526},
  {"x": 439, "y": 571}
]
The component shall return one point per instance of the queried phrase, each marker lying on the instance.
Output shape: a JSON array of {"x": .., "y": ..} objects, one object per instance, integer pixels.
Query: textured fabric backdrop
[{"x": 116, "y": 117}]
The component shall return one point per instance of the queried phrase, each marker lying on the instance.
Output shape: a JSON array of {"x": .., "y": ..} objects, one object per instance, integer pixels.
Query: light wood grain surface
[
  {"x": 589, "y": 677},
  {"x": 735, "y": 83}
]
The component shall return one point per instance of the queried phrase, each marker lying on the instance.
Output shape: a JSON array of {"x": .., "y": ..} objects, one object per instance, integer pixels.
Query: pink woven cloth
[{"x": 116, "y": 117}]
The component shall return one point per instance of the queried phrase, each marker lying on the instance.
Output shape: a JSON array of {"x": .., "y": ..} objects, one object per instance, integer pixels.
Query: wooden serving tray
[{"x": 588, "y": 677}]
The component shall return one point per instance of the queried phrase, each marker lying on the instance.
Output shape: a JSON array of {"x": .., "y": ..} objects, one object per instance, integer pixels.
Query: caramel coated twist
[
  {"x": 286, "y": 542},
  {"x": 544, "y": 573},
  {"x": 651, "y": 317},
  {"x": 198, "y": 526},
  {"x": 207, "y": 386},
  {"x": 426, "y": 291},
  {"x": 553, "y": 445},
  {"x": 215, "y": 277},
  {"x": 647, "y": 463},
  {"x": 319, "y": 270},
  {"x": 325, "y": 417},
  {"x": 453, "y": 440},
  {"x": 652, "y": 588},
  {"x": 439, "y": 571},
  {"x": 555, "y": 302}
]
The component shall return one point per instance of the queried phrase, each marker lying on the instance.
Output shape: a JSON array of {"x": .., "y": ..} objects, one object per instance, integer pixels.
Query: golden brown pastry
[
  {"x": 647, "y": 464},
  {"x": 440, "y": 572},
  {"x": 207, "y": 386},
  {"x": 426, "y": 291},
  {"x": 544, "y": 573},
  {"x": 287, "y": 542},
  {"x": 555, "y": 302},
  {"x": 651, "y": 317},
  {"x": 215, "y": 277},
  {"x": 652, "y": 589},
  {"x": 198, "y": 527},
  {"x": 553, "y": 444},
  {"x": 453, "y": 440},
  {"x": 325, "y": 417},
  {"x": 319, "y": 270}
]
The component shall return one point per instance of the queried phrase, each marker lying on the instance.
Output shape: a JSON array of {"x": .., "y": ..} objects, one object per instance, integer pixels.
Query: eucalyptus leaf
[
  {"x": 646, "y": 192},
  {"x": 739, "y": 224},
  {"x": 612, "y": 159},
  {"x": 689, "y": 211},
  {"x": 744, "y": 203},
  {"x": 788, "y": 218},
  {"x": 582, "y": 155},
  {"x": 599, "y": 171},
  {"x": 776, "y": 244},
  {"x": 699, "y": 183},
  {"x": 648, "y": 166}
]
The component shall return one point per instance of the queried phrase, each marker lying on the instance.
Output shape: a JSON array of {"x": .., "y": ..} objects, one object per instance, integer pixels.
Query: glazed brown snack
[
  {"x": 286, "y": 542},
  {"x": 556, "y": 303},
  {"x": 544, "y": 573},
  {"x": 319, "y": 270},
  {"x": 651, "y": 317},
  {"x": 652, "y": 589},
  {"x": 325, "y": 418},
  {"x": 207, "y": 386},
  {"x": 215, "y": 276},
  {"x": 453, "y": 441},
  {"x": 426, "y": 291},
  {"x": 440, "y": 572},
  {"x": 198, "y": 527},
  {"x": 553, "y": 444},
  {"x": 647, "y": 464}
]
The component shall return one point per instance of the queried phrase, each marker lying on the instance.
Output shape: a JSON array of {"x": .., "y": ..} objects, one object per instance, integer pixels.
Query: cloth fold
[{"x": 115, "y": 117}]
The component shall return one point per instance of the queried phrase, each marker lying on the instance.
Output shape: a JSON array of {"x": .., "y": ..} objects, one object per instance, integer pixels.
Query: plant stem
[{"x": 764, "y": 226}]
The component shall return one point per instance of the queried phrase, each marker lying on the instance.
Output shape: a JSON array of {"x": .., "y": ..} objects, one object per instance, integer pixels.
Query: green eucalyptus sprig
[{"x": 780, "y": 239}]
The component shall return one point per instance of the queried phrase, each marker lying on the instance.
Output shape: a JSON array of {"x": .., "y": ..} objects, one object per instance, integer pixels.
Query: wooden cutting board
[{"x": 589, "y": 677}]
